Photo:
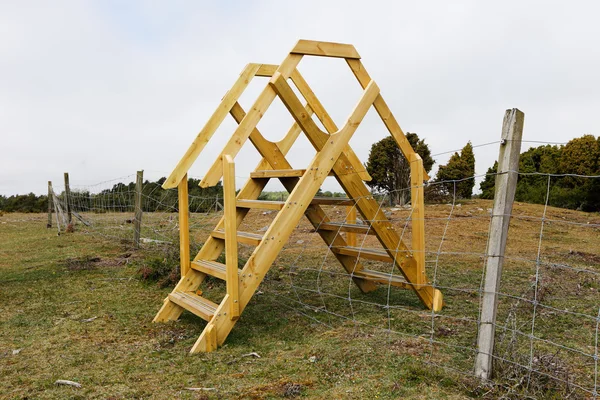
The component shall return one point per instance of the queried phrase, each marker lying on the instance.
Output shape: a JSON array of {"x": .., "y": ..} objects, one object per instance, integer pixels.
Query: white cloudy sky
[{"x": 103, "y": 88}]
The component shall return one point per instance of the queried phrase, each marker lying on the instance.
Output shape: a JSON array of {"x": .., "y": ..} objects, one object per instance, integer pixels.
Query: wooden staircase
[{"x": 334, "y": 157}]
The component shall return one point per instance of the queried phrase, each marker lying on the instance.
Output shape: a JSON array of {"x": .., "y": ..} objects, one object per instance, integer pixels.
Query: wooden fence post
[
  {"x": 417, "y": 201},
  {"x": 351, "y": 219},
  {"x": 67, "y": 198},
  {"x": 504, "y": 195},
  {"x": 231, "y": 248},
  {"x": 184, "y": 226},
  {"x": 137, "y": 222},
  {"x": 49, "y": 224}
]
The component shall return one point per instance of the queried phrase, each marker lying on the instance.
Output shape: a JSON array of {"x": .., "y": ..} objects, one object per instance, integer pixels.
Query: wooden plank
[
  {"x": 333, "y": 201},
  {"x": 384, "y": 112},
  {"x": 211, "y": 268},
  {"x": 248, "y": 124},
  {"x": 261, "y": 204},
  {"x": 277, "y": 173},
  {"x": 367, "y": 253},
  {"x": 184, "y": 225},
  {"x": 252, "y": 239},
  {"x": 417, "y": 201},
  {"x": 384, "y": 278},
  {"x": 211, "y": 334},
  {"x": 347, "y": 227},
  {"x": 354, "y": 164},
  {"x": 285, "y": 222},
  {"x": 231, "y": 250},
  {"x": 506, "y": 184},
  {"x": 200, "y": 306},
  {"x": 351, "y": 219},
  {"x": 266, "y": 70},
  {"x": 325, "y": 49},
  {"x": 211, "y": 126}
]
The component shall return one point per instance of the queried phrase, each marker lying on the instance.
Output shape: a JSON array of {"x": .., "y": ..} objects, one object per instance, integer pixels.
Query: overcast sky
[{"x": 103, "y": 88}]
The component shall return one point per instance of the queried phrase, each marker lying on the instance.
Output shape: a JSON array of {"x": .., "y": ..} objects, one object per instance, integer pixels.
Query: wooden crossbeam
[{"x": 325, "y": 49}]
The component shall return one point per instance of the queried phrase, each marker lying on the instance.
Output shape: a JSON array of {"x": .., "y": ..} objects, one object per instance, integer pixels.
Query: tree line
[
  {"x": 554, "y": 171},
  {"x": 121, "y": 197},
  {"x": 567, "y": 186}
]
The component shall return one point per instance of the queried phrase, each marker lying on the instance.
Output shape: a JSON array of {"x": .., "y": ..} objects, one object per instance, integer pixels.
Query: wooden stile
[{"x": 334, "y": 157}]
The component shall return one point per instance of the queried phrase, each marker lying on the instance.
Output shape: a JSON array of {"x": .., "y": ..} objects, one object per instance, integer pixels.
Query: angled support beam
[
  {"x": 384, "y": 112},
  {"x": 249, "y": 122},
  {"x": 211, "y": 126},
  {"x": 356, "y": 166}
]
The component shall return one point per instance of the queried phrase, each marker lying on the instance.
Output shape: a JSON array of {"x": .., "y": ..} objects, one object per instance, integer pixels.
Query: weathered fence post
[
  {"x": 67, "y": 198},
  {"x": 137, "y": 222},
  {"x": 504, "y": 195},
  {"x": 49, "y": 224}
]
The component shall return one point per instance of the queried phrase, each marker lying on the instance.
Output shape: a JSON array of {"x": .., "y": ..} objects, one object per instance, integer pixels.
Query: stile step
[
  {"x": 198, "y": 305},
  {"x": 242, "y": 237},
  {"x": 261, "y": 204},
  {"x": 343, "y": 227},
  {"x": 367, "y": 253},
  {"x": 279, "y": 173},
  {"x": 211, "y": 268},
  {"x": 383, "y": 278}
]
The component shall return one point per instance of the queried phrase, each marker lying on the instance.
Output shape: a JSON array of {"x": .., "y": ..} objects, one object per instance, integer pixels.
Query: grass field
[{"x": 74, "y": 307}]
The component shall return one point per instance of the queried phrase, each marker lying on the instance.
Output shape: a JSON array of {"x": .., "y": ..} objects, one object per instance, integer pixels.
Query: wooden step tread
[
  {"x": 333, "y": 201},
  {"x": 198, "y": 305},
  {"x": 261, "y": 204},
  {"x": 278, "y": 205},
  {"x": 242, "y": 237},
  {"x": 279, "y": 173},
  {"x": 344, "y": 227},
  {"x": 382, "y": 277},
  {"x": 212, "y": 268},
  {"x": 369, "y": 254}
]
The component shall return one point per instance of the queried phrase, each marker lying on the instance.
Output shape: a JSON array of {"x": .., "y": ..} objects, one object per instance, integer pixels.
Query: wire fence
[{"x": 549, "y": 308}]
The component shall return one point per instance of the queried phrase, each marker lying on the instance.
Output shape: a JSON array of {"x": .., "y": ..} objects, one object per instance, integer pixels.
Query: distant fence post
[
  {"x": 137, "y": 222},
  {"x": 504, "y": 195},
  {"x": 67, "y": 198},
  {"x": 49, "y": 224}
]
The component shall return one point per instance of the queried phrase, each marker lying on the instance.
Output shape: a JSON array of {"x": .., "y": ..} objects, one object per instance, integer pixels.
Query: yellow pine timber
[
  {"x": 231, "y": 249},
  {"x": 211, "y": 126},
  {"x": 325, "y": 49},
  {"x": 184, "y": 226},
  {"x": 355, "y": 165},
  {"x": 417, "y": 202},
  {"x": 248, "y": 124},
  {"x": 384, "y": 112}
]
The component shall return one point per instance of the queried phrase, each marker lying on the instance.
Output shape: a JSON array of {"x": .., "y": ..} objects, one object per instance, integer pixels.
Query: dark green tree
[
  {"x": 390, "y": 170},
  {"x": 487, "y": 186},
  {"x": 458, "y": 173}
]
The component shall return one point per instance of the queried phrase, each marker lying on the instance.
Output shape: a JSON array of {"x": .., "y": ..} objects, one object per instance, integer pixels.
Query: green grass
[{"x": 52, "y": 285}]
